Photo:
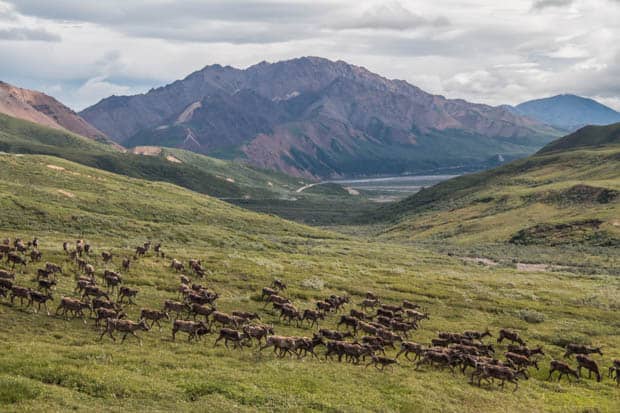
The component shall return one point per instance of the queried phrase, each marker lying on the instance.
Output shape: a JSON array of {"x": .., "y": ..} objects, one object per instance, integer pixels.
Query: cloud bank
[{"x": 481, "y": 50}]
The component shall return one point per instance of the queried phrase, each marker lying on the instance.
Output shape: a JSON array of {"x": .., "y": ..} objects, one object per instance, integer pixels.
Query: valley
[
  {"x": 563, "y": 187},
  {"x": 308, "y": 235},
  {"x": 393, "y": 188},
  {"x": 61, "y": 364}
]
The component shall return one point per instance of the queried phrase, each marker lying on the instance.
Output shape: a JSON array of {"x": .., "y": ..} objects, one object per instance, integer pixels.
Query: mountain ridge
[{"x": 315, "y": 117}]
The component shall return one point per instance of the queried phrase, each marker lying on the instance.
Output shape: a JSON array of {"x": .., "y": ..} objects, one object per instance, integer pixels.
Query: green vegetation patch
[
  {"x": 14, "y": 389},
  {"x": 578, "y": 194},
  {"x": 580, "y": 232}
]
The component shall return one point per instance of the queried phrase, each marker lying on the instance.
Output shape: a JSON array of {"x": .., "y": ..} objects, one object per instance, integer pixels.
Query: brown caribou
[
  {"x": 510, "y": 335},
  {"x": 587, "y": 363},
  {"x": 126, "y": 327},
  {"x": 563, "y": 369},
  {"x": 581, "y": 349}
]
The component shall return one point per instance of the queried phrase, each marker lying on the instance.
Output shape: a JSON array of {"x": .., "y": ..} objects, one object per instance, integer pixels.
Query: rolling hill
[
  {"x": 566, "y": 194},
  {"x": 46, "y": 111},
  {"x": 56, "y": 364},
  {"x": 568, "y": 112},
  {"x": 314, "y": 117},
  {"x": 587, "y": 137},
  {"x": 63, "y": 196},
  {"x": 196, "y": 172},
  {"x": 238, "y": 183}
]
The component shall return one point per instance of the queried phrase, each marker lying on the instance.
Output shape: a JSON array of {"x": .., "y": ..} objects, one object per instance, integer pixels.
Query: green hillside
[
  {"x": 590, "y": 136},
  {"x": 52, "y": 364},
  {"x": 52, "y": 194},
  {"x": 567, "y": 194},
  {"x": 195, "y": 172},
  {"x": 257, "y": 182}
]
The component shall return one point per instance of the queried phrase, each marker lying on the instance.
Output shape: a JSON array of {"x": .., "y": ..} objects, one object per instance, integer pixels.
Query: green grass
[
  {"x": 541, "y": 200},
  {"x": 257, "y": 183},
  {"x": 52, "y": 364},
  {"x": 310, "y": 209},
  {"x": 589, "y": 136},
  {"x": 196, "y": 172},
  {"x": 53, "y": 194},
  {"x": 234, "y": 182}
]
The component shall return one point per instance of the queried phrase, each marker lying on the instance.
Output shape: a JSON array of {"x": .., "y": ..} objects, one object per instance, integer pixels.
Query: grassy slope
[
  {"x": 51, "y": 193},
  {"x": 261, "y": 182},
  {"x": 493, "y": 206},
  {"x": 253, "y": 188},
  {"x": 197, "y": 172},
  {"x": 52, "y": 364},
  {"x": 275, "y": 193},
  {"x": 590, "y": 136}
]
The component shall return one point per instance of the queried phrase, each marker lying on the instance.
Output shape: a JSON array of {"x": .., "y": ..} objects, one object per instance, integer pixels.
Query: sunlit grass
[{"x": 52, "y": 364}]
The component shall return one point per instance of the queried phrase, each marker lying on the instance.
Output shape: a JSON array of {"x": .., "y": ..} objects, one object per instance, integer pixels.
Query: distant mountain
[
  {"x": 44, "y": 110},
  {"x": 569, "y": 112},
  {"x": 317, "y": 118}
]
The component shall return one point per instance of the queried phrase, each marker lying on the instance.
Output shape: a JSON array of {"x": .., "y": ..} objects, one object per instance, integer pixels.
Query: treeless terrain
[{"x": 44, "y": 110}]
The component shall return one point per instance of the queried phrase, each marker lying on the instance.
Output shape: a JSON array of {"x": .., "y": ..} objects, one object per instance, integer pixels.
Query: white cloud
[
  {"x": 480, "y": 50},
  {"x": 613, "y": 102},
  {"x": 98, "y": 88},
  {"x": 543, "y": 4},
  {"x": 390, "y": 15},
  {"x": 569, "y": 51},
  {"x": 26, "y": 34}
]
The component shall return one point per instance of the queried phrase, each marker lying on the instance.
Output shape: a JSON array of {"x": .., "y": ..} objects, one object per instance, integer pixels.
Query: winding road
[{"x": 303, "y": 188}]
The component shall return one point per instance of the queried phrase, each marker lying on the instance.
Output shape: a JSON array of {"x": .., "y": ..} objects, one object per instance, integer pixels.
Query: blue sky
[{"x": 489, "y": 51}]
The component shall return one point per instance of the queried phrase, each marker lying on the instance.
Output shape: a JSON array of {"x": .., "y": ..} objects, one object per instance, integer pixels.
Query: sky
[{"x": 487, "y": 51}]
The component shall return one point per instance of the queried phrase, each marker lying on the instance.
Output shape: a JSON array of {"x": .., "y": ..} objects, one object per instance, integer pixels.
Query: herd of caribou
[{"x": 361, "y": 336}]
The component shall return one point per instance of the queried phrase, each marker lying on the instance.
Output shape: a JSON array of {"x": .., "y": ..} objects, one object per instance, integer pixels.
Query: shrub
[
  {"x": 562, "y": 339},
  {"x": 531, "y": 316},
  {"x": 314, "y": 283}
]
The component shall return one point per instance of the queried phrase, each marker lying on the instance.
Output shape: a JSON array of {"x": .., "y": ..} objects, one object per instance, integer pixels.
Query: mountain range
[
  {"x": 568, "y": 112},
  {"x": 317, "y": 118}
]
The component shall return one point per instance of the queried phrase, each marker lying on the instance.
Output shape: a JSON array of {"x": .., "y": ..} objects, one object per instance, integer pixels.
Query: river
[{"x": 386, "y": 189}]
